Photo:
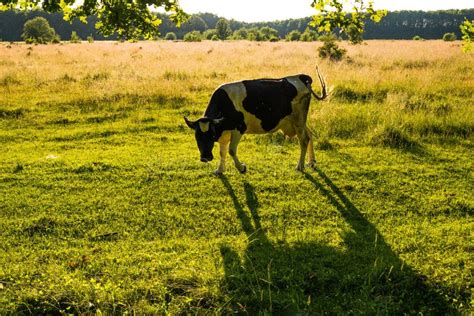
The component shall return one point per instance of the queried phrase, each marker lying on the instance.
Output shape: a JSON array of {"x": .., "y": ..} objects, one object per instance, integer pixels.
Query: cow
[{"x": 256, "y": 107}]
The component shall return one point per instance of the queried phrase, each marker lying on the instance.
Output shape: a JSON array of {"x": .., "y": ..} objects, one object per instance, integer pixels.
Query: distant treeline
[{"x": 397, "y": 25}]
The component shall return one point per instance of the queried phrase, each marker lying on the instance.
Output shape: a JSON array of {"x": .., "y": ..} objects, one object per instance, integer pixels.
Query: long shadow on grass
[{"x": 314, "y": 278}]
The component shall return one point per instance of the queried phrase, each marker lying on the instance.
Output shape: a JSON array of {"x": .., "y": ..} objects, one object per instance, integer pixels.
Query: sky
[{"x": 270, "y": 10}]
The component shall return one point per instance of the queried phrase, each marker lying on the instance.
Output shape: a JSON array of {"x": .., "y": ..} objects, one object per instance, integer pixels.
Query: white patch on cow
[
  {"x": 237, "y": 93},
  {"x": 204, "y": 126}
]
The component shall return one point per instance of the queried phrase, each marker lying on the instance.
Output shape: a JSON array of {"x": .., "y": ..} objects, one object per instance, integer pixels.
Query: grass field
[{"x": 105, "y": 207}]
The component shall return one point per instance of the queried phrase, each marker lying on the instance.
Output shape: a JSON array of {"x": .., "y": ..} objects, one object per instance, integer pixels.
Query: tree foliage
[
  {"x": 38, "y": 30},
  {"x": 467, "y": 30},
  {"x": 223, "y": 29},
  {"x": 127, "y": 18},
  {"x": 331, "y": 16}
]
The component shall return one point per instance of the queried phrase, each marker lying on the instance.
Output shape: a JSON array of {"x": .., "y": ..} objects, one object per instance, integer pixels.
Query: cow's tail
[{"x": 324, "y": 91}]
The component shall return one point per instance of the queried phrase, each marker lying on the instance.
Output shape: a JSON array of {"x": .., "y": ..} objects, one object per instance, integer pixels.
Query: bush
[
  {"x": 254, "y": 34},
  {"x": 194, "y": 36},
  {"x": 74, "y": 37},
  {"x": 274, "y": 39},
  {"x": 240, "y": 34},
  {"x": 449, "y": 37},
  {"x": 418, "y": 38},
  {"x": 330, "y": 49},
  {"x": 293, "y": 36},
  {"x": 38, "y": 30},
  {"x": 90, "y": 39},
  {"x": 309, "y": 36},
  {"x": 170, "y": 36},
  {"x": 214, "y": 37},
  {"x": 56, "y": 39},
  {"x": 209, "y": 34}
]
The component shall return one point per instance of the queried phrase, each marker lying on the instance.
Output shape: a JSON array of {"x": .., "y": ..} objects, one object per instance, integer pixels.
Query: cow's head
[{"x": 205, "y": 134}]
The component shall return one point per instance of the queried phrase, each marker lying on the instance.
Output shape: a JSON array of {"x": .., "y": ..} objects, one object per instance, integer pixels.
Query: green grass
[{"x": 105, "y": 206}]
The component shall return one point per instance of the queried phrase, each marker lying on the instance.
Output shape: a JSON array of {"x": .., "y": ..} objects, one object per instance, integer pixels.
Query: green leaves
[
  {"x": 467, "y": 30},
  {"x": 331, "y": 16},
  {"x": 129, "y": 19}
]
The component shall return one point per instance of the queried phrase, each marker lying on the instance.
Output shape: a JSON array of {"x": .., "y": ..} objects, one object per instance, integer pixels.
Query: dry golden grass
[{"x": 187, "y": 68}]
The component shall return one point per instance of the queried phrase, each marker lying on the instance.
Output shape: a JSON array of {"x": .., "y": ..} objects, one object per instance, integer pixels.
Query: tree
[
  {"x": 195, "y": 23},
  {"x": 38, "y": 30},
  {"x": 467, "y": 30},
  {"x": 223, "y": 29},
  {"x": 129, "y": 19},
  {"x": 331, "y": 16}
]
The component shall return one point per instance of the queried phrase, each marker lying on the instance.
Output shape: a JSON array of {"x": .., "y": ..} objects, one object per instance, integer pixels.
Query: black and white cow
[{"x": 256, "y": 107}]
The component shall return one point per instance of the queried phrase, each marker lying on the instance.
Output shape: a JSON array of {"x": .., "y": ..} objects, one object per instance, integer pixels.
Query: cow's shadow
[{"x": 315, "y": 278}]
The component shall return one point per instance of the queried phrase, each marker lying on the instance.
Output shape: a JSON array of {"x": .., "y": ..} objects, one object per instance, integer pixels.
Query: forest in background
[{"x": 397, "y": 25}]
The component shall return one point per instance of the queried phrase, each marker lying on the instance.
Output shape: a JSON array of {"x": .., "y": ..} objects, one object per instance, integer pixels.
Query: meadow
[{"x": 105, "y": 207}]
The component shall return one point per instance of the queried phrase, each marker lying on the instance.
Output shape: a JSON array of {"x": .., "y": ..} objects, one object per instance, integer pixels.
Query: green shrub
[
  {"x": 330, "y": 49},
  {"x": 170, "y": 36},
  {"x": 38, "y": 30},
  {"x": 56, "y": 39},
  {"x": 75, "y": 38},
  {"x": 293, "y": 36},
  {"x": 418, "y": 38},
  {"x": 215, "y": 37},
  {"x": 209, "y": 34},
  {"x": 309, "y": 36},
  {"x": 240, "y": 34},
  {"x": 90, "y": 39},
  {"x": 194, "y": 36},
  {"x": 274, "y": 39},
  {"x": 449, "y": 37}
]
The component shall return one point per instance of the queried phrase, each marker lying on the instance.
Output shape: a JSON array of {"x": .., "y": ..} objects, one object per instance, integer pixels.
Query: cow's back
[{"x": 266, "y": 104}]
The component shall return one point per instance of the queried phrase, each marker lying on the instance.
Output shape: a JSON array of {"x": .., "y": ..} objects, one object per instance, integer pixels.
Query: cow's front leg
[
  {"x": 234, "y": 142},
  {"x": 223, "y": 152},
  {"x": 303, "y": 138}
]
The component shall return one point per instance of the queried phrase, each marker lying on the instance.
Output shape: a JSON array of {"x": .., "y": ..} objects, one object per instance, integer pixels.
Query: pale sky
[{"x": 270, "y": 10}]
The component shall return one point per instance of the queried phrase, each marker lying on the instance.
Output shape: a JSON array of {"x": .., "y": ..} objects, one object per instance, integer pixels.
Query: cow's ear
[
  {"x": 191, "y": 124},
  {"x": 217, "y": 121}
]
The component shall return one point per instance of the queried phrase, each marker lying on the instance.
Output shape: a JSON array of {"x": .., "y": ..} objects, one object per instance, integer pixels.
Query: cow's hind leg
[
  {"x": 303, "y": 138},
  {"x": 311, "y": 157},
  {"x": 234, "y": 142}
]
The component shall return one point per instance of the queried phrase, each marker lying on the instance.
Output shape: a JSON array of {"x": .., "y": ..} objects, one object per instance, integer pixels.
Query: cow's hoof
[
  {"x": 218, "y": 172},
  {"x": 244, "y": 169},
  {"x": 300, "y": 168},
  {"x": 312, "y": 164}
]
